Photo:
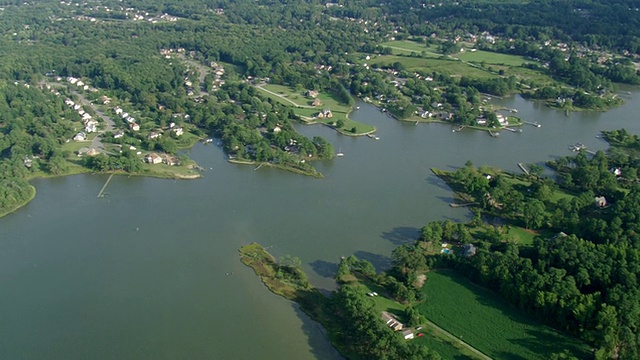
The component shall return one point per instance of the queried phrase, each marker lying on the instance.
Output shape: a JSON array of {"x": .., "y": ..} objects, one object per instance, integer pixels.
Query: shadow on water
[
  {"x": 401, "y": 235},
  {"x": 324, "y": 268},
  {"x": 436, "y": 181},
  {"x": 380, "y": 262},
  {"x": 317, "y": 337}
]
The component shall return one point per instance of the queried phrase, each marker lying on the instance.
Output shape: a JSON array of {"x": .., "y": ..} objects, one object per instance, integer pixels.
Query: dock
[
  {"x": 523, "y": 168},
  {"x": 494, "y": 134},
  {"x": 258, "y": 167},
  {"x": 533, "y": 123},
  {"x": 458, "y": 205},
  {"x": 513, "y": 130},
  {"x": 101, "y": 193}
]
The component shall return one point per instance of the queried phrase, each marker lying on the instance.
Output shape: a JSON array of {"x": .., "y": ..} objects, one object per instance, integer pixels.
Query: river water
[{"x": 151, "y": 271}]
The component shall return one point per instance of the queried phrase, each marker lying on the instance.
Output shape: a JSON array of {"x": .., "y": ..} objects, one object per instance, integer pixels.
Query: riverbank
[
  {"x": 32, "y": 195},
  {"x": 308, "y": 172}
]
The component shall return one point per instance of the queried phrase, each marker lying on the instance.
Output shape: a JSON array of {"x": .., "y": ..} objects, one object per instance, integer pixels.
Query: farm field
[
  {"x": 488, "y": 323},
  {"x": 433, "y": 337},
  {"x": 406, "y": 47}
]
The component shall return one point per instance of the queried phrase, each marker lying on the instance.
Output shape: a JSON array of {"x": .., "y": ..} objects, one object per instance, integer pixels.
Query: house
[
  {"x": 391, "y": 321},
  {"x": 134, "y": 127},
  {"x": 177, "y": 130},
  {"x": 601, "y": 201},
  {"x": 501, "y": 118},
  {"x": 312, "y": 94},
  {"x": 277, "y": 129},
  {"x": 86, "y": 116},
  {"x": 154, "y": 135},
  {"x": 130, "y": 119},
  {"x": 105, "y": 100},
  {"x": 118, "y": 134},
  {"x": 171, "y": 160},
  {"x": 117, "y": 110},
  {"x": 153, "y": 158},
  {"x": 469, "y": 250},
  {"x": 91, "y": 126},
  {"x": 316, "y": 102},
  {"x": 407, "y": 334},
  {"x": 80, "y": 136},
  {"x": 93, "y": 152},
  {"x": 326, "y": 113},
  {"x": 124, "y": 115}
]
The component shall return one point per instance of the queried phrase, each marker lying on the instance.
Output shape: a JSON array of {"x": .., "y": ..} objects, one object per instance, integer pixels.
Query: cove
[{"x": 152, "y": 270}]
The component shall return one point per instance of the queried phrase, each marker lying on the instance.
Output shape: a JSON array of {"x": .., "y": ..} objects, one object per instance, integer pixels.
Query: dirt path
[
  {"x": 284, "y": 98},
  {"x": 457, "y": 340}
]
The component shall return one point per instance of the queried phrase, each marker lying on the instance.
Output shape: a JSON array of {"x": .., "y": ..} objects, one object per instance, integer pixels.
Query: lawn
[
  {"x": 303, "y": 108},
  {"x": 488, "y": 323},
  {"x": 492, "y": 58},
  {"x": 440, "y": 65},
  {"x": 406, "y": 47}
]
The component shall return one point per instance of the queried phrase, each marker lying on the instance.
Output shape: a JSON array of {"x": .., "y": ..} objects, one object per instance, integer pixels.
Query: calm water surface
[{"x": 152, "y": 270}]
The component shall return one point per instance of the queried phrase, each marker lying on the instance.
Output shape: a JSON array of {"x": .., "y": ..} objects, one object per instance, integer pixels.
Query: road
[
  {"x": 202, "y": 71},
  {"x": 96, "y": 143},
  {"x": 284, "y": 98}
]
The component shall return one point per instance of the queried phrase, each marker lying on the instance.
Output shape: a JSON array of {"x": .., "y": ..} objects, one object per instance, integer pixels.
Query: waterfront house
[{"x": 153, "y": 158}]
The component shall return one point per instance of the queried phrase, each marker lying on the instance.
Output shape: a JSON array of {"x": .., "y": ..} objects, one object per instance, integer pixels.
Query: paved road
[
  {"x": 96, "y": 143},
  {"x": 202, "y": 70}
]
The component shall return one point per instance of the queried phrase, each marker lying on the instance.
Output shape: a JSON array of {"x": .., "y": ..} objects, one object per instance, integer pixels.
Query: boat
[
  {"x": 339, "y": 154},
  {"x": 207, "y": 141}
]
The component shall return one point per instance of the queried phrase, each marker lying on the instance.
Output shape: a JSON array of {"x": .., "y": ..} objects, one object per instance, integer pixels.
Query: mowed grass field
[
  {"x": 488, "y": 323},
  {"x": 492, "y": 58},
  {"x": 301, "y": 106},
  {"x": 441, "y": 65}
]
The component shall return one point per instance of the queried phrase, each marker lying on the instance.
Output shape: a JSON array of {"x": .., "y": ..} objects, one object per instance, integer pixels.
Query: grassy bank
[{"x": 297, "y": 170}]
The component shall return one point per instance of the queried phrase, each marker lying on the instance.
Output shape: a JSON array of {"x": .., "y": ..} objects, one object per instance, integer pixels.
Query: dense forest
[{"x": 580, "y": 273}]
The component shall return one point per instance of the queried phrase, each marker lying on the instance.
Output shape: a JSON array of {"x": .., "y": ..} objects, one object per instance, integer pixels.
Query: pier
[
  {"x": 523, "y": 168},
  {"x": 101, "y": 193},
  {"x": 458, "y": 205},
  {"x": 494, "y": 134},
  {"x": 513, "y": 130},
  {"x": 533, "y": 123}
]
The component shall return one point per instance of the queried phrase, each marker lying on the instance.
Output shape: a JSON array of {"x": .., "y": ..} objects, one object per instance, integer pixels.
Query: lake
[{"x": 152, "y": 270}]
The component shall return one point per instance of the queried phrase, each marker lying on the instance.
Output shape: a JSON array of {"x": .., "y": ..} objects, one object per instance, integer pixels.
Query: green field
[
  {"x": 432, "y": 339},
  {"x": 441, "y": 65},
  {"x": 406, "y": 47},
  {"x": 492, "y": 58},
  {"x": 485, "y": 321},
  {"x": 301, "y": 106}
]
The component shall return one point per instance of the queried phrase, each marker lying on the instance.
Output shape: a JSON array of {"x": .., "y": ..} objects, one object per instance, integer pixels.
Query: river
[{"x": 152, "y": 271}]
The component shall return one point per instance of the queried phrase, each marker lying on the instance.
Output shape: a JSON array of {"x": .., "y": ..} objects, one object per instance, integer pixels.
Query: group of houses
[
  {"x": 90, "y": 124},
  {"x": 131, "y": 121},
  {"x": 396, "y": 325},
  {"x": 154, "y": 158}
]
